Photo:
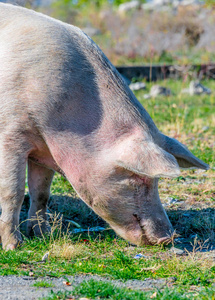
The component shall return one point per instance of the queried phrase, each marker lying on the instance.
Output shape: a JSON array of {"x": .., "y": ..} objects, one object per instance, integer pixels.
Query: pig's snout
[
  {"x": 155, "y": 239},
  {"x": 140, "y": 236},
  {"x": 154, "y": 232}
]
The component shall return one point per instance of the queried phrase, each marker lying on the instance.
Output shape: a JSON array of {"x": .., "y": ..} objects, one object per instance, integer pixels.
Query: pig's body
[{"x": 65, "y": 108}]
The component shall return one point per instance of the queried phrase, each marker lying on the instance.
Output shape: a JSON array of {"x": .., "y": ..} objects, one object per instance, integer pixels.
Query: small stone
[
  {"x": 176, "y": 251},
  {"x": 205, "y": 128},
  {"x": 45, "y": 256},
  {"x": 172, "y": 200},
  {"x": 196, "y": 88},
  {"x": 157, "y": 90},
  {"x": 137, "y": 86},
  {"x": 146, "y": 96}
]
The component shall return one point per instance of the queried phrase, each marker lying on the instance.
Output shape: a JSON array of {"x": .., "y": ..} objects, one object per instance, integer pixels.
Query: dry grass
[{"x": 68, "y": 250}]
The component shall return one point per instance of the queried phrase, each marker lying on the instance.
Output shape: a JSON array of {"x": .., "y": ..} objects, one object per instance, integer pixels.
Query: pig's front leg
[
  {"x": 12, "y": 188},
  {"x": 39, "y": 182}
]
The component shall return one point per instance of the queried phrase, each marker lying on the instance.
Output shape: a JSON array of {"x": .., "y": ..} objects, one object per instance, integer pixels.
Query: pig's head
[{"x": 123, "y": 186}]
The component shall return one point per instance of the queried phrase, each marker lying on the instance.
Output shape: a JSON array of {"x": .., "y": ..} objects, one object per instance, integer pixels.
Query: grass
[
  {"x": 191, "y": 120},
  {"x": 112, "y": 258},
  {"x": 105, "y": 290},
  {"x": 58, "y": 295},
  {"x": 102, "y": 290},
  {"x": 43, "y": 284}
]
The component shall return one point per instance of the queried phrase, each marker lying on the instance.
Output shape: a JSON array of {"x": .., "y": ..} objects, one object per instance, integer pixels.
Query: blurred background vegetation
[{"x": 168, "y": 33}]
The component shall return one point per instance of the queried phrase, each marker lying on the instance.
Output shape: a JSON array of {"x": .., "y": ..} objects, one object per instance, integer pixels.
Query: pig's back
[
  {"x": 37, "y": 53},
  {"x": 23, "y": 30},
  {"x": 45, "y": 69},
  {"x": 54, "y": 69}
]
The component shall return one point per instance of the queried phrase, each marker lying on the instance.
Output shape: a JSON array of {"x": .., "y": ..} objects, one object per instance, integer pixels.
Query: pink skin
[
  {"x": 128, "y": 202},
  {"x": 135, "y": 211},
  {"x": 39, "y": 181}
]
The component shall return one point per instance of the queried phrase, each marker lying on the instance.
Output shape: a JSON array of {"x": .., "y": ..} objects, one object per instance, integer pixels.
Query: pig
[{"x": 65, "y": 108}]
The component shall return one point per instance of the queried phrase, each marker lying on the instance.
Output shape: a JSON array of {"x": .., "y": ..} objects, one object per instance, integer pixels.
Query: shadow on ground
[{"x": 190, "y": 225}]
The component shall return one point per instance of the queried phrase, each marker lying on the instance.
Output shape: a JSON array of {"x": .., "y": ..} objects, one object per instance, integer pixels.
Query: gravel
[{"x": 21, "y": 288}]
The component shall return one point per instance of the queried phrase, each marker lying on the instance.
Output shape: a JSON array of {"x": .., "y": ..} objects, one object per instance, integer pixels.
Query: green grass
[
  {"x": 104, "y": 290},
  {"x": 106, "y": 257},
  {"x": 43, "y": 284},
  {"x": 57, "y": 295}
]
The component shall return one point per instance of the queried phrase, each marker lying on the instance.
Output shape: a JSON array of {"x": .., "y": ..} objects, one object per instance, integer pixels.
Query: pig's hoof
[
  {"x": 35, "y": 229},
  {"x": 12, "y": 246},
  {"x": 9, "y": 240}
]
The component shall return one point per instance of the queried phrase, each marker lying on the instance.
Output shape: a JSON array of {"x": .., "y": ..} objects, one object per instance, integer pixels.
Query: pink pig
[{"x": 65, "y": 108}]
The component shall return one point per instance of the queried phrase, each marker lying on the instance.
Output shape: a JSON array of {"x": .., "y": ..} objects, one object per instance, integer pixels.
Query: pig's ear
[
  {"x": 184, "y": 157},
  {"x": 148, "y": 159}
]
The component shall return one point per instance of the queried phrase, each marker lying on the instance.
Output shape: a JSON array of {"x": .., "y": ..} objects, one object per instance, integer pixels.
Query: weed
[
  {"x": 43, "y": 284},
  {"x": 59, "y": 295},
  {"x": 105, "y": 290}
]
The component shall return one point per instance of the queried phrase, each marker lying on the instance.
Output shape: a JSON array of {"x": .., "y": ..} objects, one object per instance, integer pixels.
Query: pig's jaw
[
  {"x": 140, "y": 235},
  {"x": 132, "y": 236}
]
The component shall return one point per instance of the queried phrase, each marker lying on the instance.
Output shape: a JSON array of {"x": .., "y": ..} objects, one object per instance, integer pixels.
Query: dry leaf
[
  {"x": 153, "y": 269},
  {"x": 67, "y": 283}
]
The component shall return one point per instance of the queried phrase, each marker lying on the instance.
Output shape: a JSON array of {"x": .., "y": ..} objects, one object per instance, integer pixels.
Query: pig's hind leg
[
  {"x": 13, "y": 158},
  {"x": 39, "y": 182}
]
